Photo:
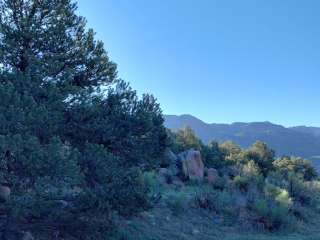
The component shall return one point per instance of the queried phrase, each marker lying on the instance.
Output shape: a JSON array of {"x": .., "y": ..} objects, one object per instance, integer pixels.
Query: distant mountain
[
  {"x": 298, "y": 141},
  {"x": 313, "y": 130}
]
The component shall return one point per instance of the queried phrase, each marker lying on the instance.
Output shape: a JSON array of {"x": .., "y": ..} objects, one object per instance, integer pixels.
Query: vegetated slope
[
  {"x": 177, "y": 221},
  {"x": 243, "y": 194},
  {"x": 299, "y": 141}
]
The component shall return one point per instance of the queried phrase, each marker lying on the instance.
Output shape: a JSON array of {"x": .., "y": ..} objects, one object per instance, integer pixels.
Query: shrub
[
  {"x": 272, "y": 214},
  {"x": 109, "y": 182},
  {"x": 185, "y": 139},
  {"x": 307, "y": 193},
  {"x": 220, "y": 183},
  {"x": 213, "y": 156},
  {"x": 251, "y": 169},
  {"x": 232, "y": 153},
  {"x": 296, "y": 165},
  {"x": 151, "y": 183},
  {"x": 262, "y": 156},
  {"x": 278, "y": 194},
  {"x": 277, "y": 179},
  {"x": 298, "y": 189},
  {"x": 229, "y": 148},
  {"x": 177, "y": 203},
  {"x": 210, "y": 199},
  {"x": 242, "y": 182},
  {"x": 273, "y": 208},
  {"x": 261, "y": 207},
  {"x": 313, "y": 188}
]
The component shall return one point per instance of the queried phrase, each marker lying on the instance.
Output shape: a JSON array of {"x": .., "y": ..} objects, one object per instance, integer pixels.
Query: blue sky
[{"x": 221, "y": 61}]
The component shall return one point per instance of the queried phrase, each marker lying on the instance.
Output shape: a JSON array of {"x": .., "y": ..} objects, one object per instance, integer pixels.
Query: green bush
[
  {"x": 296, "y": 165},
  {"x": 261, "y": 207},
  {"x": 273, "y": 208},
  {"x": 261, "y": 155},
  {"x": 220, "y": 183},
  {"x": 185, "y": 139},
  {"x": 177, "y": 203},
  {"x": 242, "y": 182},
  {"x": 313, "y": 188},
  {"x": 307, "y": 193},
  {"x": 109, "y": 183},
  {"x": 151, "y": 183},
  {"x": 298, "y": 189},
  {"x": 272, "y": 214},
  {"x": 208, "y": 198},
  {"x": 212, "y": 155},
  {"x": 251, "y": 169},
  {"x": 278, "y": 194}
]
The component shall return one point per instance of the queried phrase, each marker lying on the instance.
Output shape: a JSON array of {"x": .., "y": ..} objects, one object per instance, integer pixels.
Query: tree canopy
[{"x": 74, "y": 138}]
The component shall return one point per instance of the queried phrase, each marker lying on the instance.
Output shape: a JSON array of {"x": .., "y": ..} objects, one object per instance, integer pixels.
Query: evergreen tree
[
  {"x": 46, "y": 43},
  {"x": 299, "y": 166},
  {"x": 186, "y": 139},
  {"x": 129, "y": 128},
  {"x": 213, "y": 156},
  {"x": 262, "y": 156},
  {"x": 72, "y": 135}
]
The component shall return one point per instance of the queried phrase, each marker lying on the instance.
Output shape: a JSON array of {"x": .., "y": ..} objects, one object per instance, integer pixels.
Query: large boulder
[{"x": 192, "y": 165}]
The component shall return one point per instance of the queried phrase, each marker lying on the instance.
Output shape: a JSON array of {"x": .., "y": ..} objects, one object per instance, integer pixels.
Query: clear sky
[{"x": 220, "y": 60}]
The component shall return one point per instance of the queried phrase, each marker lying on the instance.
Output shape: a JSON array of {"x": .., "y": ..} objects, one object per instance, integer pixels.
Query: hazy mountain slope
[
  {"x": 300, "y": 141},
  {"x": 312, "y": 130}
]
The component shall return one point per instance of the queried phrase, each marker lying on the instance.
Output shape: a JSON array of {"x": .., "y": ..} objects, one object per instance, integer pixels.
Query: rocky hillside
[
  {"x": 299, "y": 141},
  {"x": 191, "y": 200}
]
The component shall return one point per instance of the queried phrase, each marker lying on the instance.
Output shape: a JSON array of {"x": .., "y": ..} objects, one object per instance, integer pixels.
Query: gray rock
[
  {"x": 27, "y": 236},
  {"x": 173, "y": 160},
  {"x": 192, "y": 165},
  {"x": 5, "y": 192},
  {"x": 212, "y": 175},
  {"x": 164, "y": 175}
]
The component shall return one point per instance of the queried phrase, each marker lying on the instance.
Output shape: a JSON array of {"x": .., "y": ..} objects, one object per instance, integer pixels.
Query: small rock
[
  {"x": 4, "y": 192},
  {"x": 27, "y": 236},
  {"x": 212, "y": 175},
  {"x": 195, "y": 231},
  {"x": 177, "y": 182},
  {"x": 218, "y": 220},
  {"x": 164, "y": 171},
  {"x": 164, "y": 175}
]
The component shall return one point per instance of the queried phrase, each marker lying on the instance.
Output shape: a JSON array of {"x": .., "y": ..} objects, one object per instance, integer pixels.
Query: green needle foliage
[{"x": 74, "y": 138}]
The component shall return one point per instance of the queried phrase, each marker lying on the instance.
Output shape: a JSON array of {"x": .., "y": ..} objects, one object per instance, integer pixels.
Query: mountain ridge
[{"x": 300, "y": 141}]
